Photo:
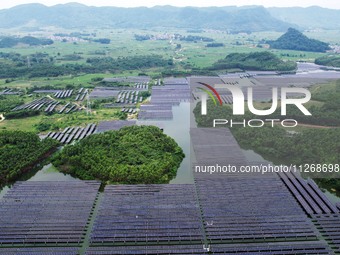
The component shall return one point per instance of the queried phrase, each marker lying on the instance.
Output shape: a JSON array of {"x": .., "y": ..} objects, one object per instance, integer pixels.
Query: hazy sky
[{"x": 333, "y": 4}]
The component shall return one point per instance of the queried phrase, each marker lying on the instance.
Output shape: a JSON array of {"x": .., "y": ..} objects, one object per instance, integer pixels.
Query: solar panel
[
  {"x": 147, "y": 213},
  {"x": 43, "y": 213}
]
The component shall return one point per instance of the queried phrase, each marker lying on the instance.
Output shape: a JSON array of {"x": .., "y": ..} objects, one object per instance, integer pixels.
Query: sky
[{"x": 332, "y": 4}]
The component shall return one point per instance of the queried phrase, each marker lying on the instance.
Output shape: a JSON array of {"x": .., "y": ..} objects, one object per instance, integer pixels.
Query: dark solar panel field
[
  {"x": 148, "y": 214},
  {"x": 40, "y": 213},
  {"x": 70, "y": 134},
  {"x": 40, "y": 251}
]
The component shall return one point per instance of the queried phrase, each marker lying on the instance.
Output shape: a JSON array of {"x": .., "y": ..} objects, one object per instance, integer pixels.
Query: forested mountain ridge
[{"x": 233, "y": 19}]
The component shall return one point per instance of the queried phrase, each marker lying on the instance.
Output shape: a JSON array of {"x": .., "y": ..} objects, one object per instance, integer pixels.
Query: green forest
[
  {"x": 329, "y": 60},
  {"x": 14, "y": 65},
  {"x": 9, "y": 42},
  {"x": 19, "y": 151},
  {"x": 131, "y": 155}
]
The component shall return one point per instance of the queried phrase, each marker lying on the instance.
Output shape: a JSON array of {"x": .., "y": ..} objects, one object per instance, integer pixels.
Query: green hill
[
  {"x": 259, "y": 61},
  {"x": 295, "y": 40}
]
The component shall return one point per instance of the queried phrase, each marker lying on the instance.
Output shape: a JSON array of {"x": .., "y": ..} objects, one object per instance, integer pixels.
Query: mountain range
[{"x": 233, "y": 19}]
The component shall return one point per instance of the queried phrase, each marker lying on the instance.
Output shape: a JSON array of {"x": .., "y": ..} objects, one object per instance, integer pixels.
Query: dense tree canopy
[
  {"x": 14, "y": 65},
  {"x": 20, "y": 150},
  {"x": 263, "y": 61},
  {"x": 330, "y": 60},
  {"x": 136, "y": 154},
  {"x": 9, "y": 42}
]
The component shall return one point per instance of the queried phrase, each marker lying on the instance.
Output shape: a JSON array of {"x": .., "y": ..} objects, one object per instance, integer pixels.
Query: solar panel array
[
  {"x": 173, "y": 94},
  {"x": 175, "y": 81},
  {"x": 329, "y": 225},
  {"x": 143, "y": 250},
  {"x": 129, "y": 110},
  {"x": 129, "y": 79},
  {"x": 63, "y": 93},
  {"x": 133, "y": 214},
  {"x": 114, "y": 125},
  {"x": 70, "y": 134},
  {"x": 82, "y": 92},
  {"x": 162, "y": 100},
  {"x": 157, "y": 107},
  {"x": 153, "y": 115},
  {"x": 130, "y": 96},
  {"x": 40, "y": 213},
  {"x": 291, "y": 248},
  {"x": 245, "y": 207},
  {"x": 103, "y": 92},
  {"x": 40, "y": 251},
  {"x": 212, "y": 146},
  {"x": 308, "y": 194},
  {"x": 37, "y": 104},
  {"x": 46, "y": 91}
]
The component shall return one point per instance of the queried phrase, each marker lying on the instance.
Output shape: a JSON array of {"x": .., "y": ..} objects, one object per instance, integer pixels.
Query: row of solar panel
[
  {"x": 269, "y": 248},
  {"x": 148, "y": 213},
  {"x": 310, "y": 197},
  {"x": 46, "y": 212},
  {"x": 35, "y": 105},
  {"x": 72, "y": 134}
]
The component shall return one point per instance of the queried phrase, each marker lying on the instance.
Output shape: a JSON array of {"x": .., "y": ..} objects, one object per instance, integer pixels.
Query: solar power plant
[
  {"x": 63, "y": 93},
  {"x": 143, "y": 250},
  {"x": 156, "y": 107},
  {"x": 113, "y": 125},
  {"x": 46, "y": 91},
  {"x": 70, "y": 133},
  {"x": 103, "y": 93},
  {"x": 193, "y": 81},
  {"x": 170, "y": 94},
  {"x": 132, "y": 79},
  {"x": 141, "y": 86},
  {"x": 64, "y": 107},
  {"x": 155, "y": 214},
  {"x": 175, "y": 81},
  {"x": 286, "y": 80},
  {"x": 40, "y": 213},
  {"x": 213, "y": 145},
  {"x": 329, "y": 225},
  {"x": 239, "y": 209},
  {"x": 291, "y": 248},
  {"x": 308, "y": 194},
  {"x": 40, "y": 251},
  {"x": 34, "y": 104},
  {"x": 155, "y": 115}
]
